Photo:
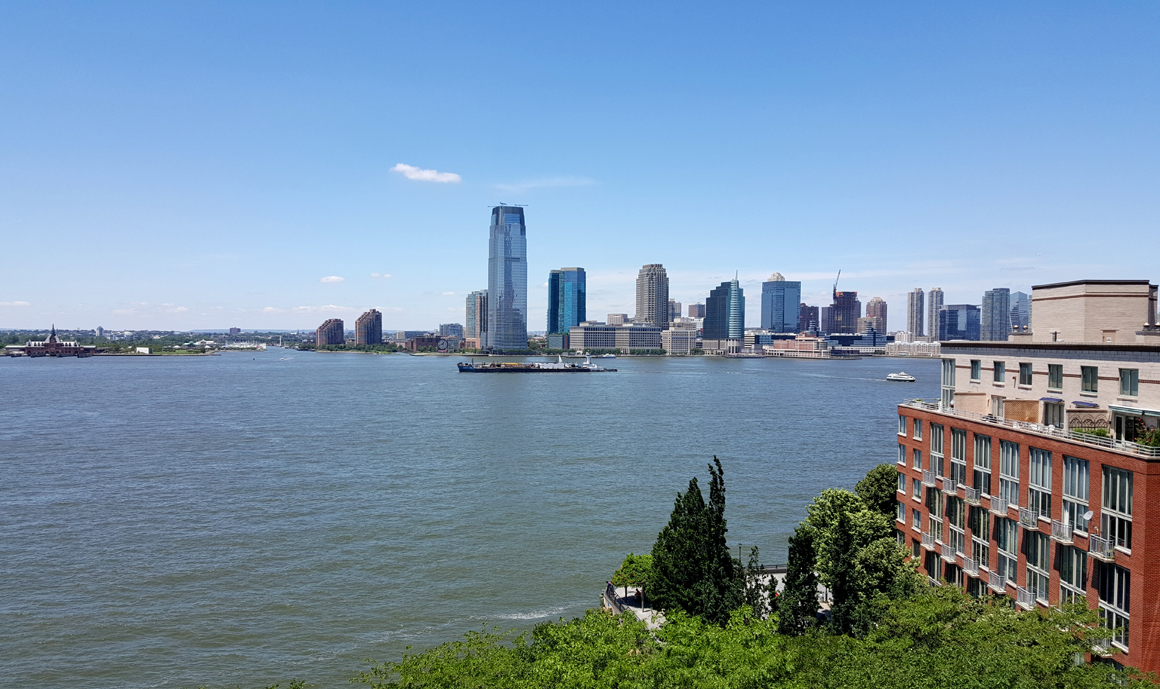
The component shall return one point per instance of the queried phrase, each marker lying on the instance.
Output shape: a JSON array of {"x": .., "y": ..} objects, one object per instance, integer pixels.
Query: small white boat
[
  {"x": 607, "y": 356},
  {"x": 900, "y": 377}
]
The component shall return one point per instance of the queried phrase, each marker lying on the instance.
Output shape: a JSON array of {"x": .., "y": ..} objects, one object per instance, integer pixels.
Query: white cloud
[
  {"x": 180, "y": 309},
  {"x": 14, "y": 303},
  {"x": 332, "y": 278},
  {"x": 268, "y": 309},
  {"x": 323, "y": 309},
  {"x": 544, "y": 183},
  {"x": 384, "y": 276},
  {"x": 449, "y": 294},
  {"x": 421, "y": 175}
]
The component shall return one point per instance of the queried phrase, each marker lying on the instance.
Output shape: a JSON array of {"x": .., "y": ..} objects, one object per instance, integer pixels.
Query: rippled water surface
[{"x": 250, "y": 517}]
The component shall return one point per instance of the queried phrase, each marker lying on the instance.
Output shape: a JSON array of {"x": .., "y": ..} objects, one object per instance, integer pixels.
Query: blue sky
[{"x": 206, "y": 165}]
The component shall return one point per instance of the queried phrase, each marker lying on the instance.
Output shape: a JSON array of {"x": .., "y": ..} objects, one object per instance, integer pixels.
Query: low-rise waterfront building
[
  {"x": 50, "y": 346},
  {"x": 635, "y": 336},
  {"x": 679, "y": 341}
]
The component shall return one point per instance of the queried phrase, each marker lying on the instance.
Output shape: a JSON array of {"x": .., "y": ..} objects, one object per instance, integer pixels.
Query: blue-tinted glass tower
[
  {"x": 566, "y": 299},
  {"x": 780, "y": 304},
  {"x": 958, "y": 322},
  {"x": 725, "y": 312},
  {"x": 507, "y": 280}
]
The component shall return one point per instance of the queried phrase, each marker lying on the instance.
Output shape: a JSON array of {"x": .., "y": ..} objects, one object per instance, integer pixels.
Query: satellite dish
[{"x": 1087, "y": 516}]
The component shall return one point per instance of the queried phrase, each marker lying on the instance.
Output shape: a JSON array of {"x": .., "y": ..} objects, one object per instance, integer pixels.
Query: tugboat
[
  {"x": 552, "y": 367},
  {"x": 900, "y": 377}
]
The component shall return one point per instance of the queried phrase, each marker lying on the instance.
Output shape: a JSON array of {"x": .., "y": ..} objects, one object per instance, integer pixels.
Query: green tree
[
  {"x": 797, "y": 606},
  {"x": 755, "y": 593},
  {"x": 878, "y": 490},
  {"x": 635, "y": 571}
]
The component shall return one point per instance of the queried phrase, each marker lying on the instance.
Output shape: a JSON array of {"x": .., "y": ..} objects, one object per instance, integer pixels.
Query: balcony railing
[
  {"x": 971, "y": 566},
  {"x": 1024, "y": 598},
  {"x": 1028, "y": 518},
  {"x": 928, "y": 478},
  {"x": 1061, "y": 531},
  {"x": 928, "y": 541},
  {"x": 948, "y": 552},
  {"x": 933, "y": 582},
  {"x": 997, "y": 582},
  {"x": 948, "y": 485},
  {"x": 1102, "y": 548},
  {"x": 972, "y": 495},
  {"x": 998, "y": 506},
  {"x": 1040, "y": 429}
]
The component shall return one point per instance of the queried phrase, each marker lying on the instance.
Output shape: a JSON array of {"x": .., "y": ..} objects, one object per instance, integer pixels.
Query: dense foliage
[
  {"x": 636, "y": 571},
  {"x": 878, "y": 490}
]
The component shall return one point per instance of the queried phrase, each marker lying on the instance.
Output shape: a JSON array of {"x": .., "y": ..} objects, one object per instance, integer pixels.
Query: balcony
[
  {"x": 972, "y": 496},
  {"x": 998, "y": 506},
  {"x": 971, "y": 566},
  {"x": 1061, "y": 531},
  {"x": 928, "y": 541},
  {"x": 997, "y": 582},
  {"x": 933, "y": 582},
  {"x": 1024, "y": 598},
  {"x": 1028, "y": 518},
  {"x": 948, "y": 486},
  {"x": 1102, "y": 548},
  {"x": 928, "y": 478},
  {"x": 948, "y": 552}
]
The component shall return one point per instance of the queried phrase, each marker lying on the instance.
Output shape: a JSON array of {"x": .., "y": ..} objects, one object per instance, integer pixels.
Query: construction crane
[{"x": 836, "y": 284}]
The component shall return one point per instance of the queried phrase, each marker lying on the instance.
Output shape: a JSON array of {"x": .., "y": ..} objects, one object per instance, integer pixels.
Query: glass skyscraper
[
  {"x": 996, "y": 314},
  {"x": 507, "y": 280},
  {"x": 725, "y": 312},
  {"x": 780, "y": 304},
  {"x": 566, "y": 299},
  {"x": 958, "y": 322}
]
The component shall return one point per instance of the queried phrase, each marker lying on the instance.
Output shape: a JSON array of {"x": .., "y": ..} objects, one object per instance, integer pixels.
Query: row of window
[{"x": 1089, "y": 376}]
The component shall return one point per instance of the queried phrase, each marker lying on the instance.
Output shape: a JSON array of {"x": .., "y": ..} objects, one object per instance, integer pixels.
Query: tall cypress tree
[{"x": 797, "y": 607}]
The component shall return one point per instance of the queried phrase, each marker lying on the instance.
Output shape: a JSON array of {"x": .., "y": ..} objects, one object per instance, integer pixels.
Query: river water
[{"x": 247, "y": 518}]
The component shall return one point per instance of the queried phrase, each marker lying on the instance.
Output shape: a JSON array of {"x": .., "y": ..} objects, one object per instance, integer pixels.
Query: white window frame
[
  {"x": 981, "y": 465},
  {"x": 1129, "y": 382},
  {"x": 1009, "y": 472},
  {"x": 1076, "y": 490},
  {"x": 1116, "y": 506},
  {"x": 1039, "y": 482}
]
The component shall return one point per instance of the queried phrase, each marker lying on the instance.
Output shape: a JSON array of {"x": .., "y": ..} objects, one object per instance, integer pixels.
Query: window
[
  {"x": 1000, "y": 372},
  {"x": 936, "y": 449},
  {"x": 981, "y": 478},
  {"x": 1114, "y": 587},
  {"x": 918, "y": 429},
  {"x": 918, "y": 460},
  {"x": 1055, "y": 376},
  {"x": 1130, "y": 382},
  {"x": 1116, "y": 507},
  {"x": 901, "y": 483},
  {"x": 901, "y": 425},
  {"x": 935, "y": 506},
  {"x": 956, "y": 517},
  {"x": 959, "y": 457},
  {"x": 1025, "y": 374},
  {"x": 976, "y": 369},
  {"x": 980, "y": 523},
  {"x": 1039, "y": 492},
  {"x": 916, "y": 520},
  {"x": 1009, "y": 472},
  {"x": 916, "y": 489},
  {"x": 1038, "y": 548},
  {"x": 1053, "y": 414},
  {"x": 1075, "y": 492},
  {"x": 901, "y": 513},
  {"x": 901, "y": 454},
  {"x": 1091, "y": 378},
  {"x": 1008, "y": 532},
  {"x": 948, "y": 383},
  {"x": 1072, "y": 574}
]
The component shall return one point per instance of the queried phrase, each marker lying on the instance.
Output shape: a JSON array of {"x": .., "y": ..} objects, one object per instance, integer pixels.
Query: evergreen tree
[
  {"x": 797, "y": 606},
  {"x": 755, "y": 593},
  {"x": 842, "y": 548},
  {"x": 878, "y": 490}
]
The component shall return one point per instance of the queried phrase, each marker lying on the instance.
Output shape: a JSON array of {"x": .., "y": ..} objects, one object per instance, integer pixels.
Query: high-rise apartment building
[
  {"x": 958, "y": 322},
  {"x": 915, "y": 302},
  {"x": 368, "y": 329},
  {"x": 842, "y": 316},
  {"x": 567, "y": 300},
  {"x": 780, "y": 304},
  {"x": 1020, "y": 310},
  {"x": 696, "y": 310},
  {"x": 330, "y": 332},
  {"x": 507, "y": 280},
  {"x": 934, "y": 302},
  {"x": 996, "y": 319},
  {"x": 725, "y": 312},
  {"x": 876, "y": 309},
  {"x": 477, "y": 316},
  {"x": 809, "y": 318},
  {"x": 674, "y": 310},
  {"x": 451, "y": 330},
  {"x": 652, "y": 296},
  {"x": 1032, "y": 475}
]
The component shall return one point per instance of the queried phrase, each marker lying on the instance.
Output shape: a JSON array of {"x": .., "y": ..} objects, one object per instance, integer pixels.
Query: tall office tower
[
  {"x": 674, "y": 310},
  {"x": 958, "y": 322},
  {"x": 1020, "y": 310},
  {"x": 996, "y": 314},
  {"x": 696, "y": 310},
  {"x": 567, "y": 304},
  {"x": 914, "y": 312},
  {"x": 476, "y": 315},
  {"x": 451, "y": 330},
  {"x": 876, "y": 310},
  {"x": 507, "y": 280},
  {"x": 809, "y": 319},
  {"x": 652, "y": 296},
  {"x": 368, "y": 329},
  {"x": 844, "y": 313},
  {"x": 934, "y": 302},
  {"x": 330, "y": 333},
  {"x": 780, "y": 304},
  {"x": 725, "y": 312}
]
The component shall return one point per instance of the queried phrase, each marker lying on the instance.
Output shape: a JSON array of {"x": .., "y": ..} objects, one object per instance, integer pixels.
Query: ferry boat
[
  {"x": 900, "y": 377},
  {"x": 557, "y": 366}
]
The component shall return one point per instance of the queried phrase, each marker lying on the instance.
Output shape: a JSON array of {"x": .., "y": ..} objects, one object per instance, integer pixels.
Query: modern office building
[
  {"x": 368, "y": 329},
  {"x": 618, "y": 319},
  {"x": 588, "y": 336},
  {"x": 696, "y": 310},
  {"x": 934, "y": 302},
  {"x": 507, "y": 280},
  {"x": 674, "y": 310},
  {"x": 725, "y": 312},
  {"x": 876, "y": 309},
  {"x": 330, "y": 332},
  {"x": 996, "y": 319},
  {"x": 809, "y": 319},
  {"x": 915, "y": 301},
  {"x": 1034, "y": 474},
  {"x": 958, "y": 322},
  {"x": 451, "y": 330},
  {"x": 477, "y": 317},
  {"x": 652, "y": 296},
  {"x": 780, "y": 304},
  {"x": 567, "y": 300},
  {"x": 1020, "y": 311},
  {"x": 842, "y": 316}
]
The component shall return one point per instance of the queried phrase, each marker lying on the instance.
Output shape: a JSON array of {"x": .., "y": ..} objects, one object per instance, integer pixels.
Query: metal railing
[
  {"x": 948, "y": 485},
  {"x": 1126, "y": 446},
  {"x": 612, "y": 600},
  {"x": 1102, "y": 548},
  {"x": 1061, "y": 531},
  {"x": 1024, "y": 598},
  {"x": 932, "y": 581},
  {"x": 997, "y": 582},
  {"x": 1028, "y": 518},
  {"x": 998, "y": 506},
  {"x": 928, "y": 477},
  {"x": 948, "y": 552},
  {"x": 972, "y": 496},
  {"x": 971, "y": 566},
  {"x": 928, "y": 541}
]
